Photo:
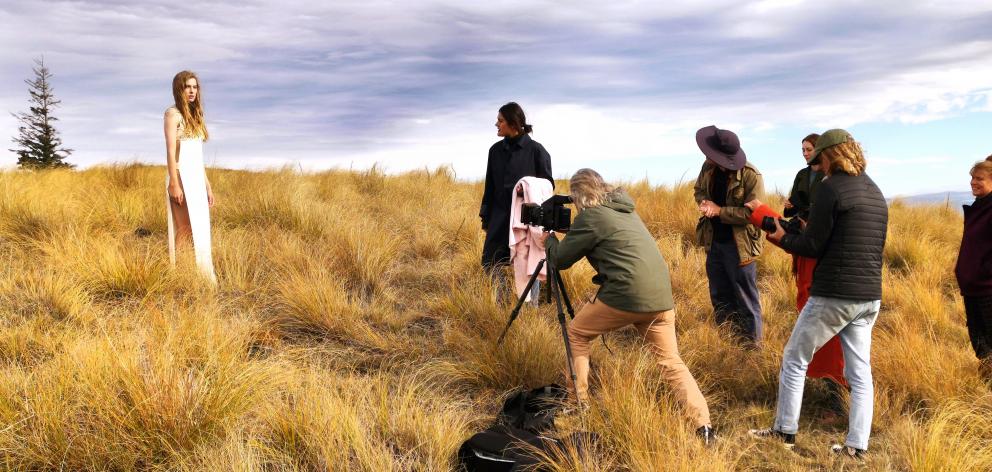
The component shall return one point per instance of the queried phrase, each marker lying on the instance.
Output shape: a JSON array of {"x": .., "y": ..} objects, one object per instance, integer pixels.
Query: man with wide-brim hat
[{"x": 727, "y": 181}]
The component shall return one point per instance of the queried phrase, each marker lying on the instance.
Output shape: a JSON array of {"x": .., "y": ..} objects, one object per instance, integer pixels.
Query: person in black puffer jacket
[{"x": 846, "y": 233}]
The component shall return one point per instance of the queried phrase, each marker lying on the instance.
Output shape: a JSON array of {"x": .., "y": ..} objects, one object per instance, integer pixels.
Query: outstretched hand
[
  {"x": 753, "y": 204},
  {"x": 779, "y": 232}
]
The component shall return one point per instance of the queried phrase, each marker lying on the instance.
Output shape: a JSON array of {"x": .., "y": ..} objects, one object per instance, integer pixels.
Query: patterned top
[{"x": 180, "y": 127}]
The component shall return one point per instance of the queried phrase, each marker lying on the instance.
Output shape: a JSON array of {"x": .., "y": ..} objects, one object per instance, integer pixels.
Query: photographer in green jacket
[{"x": 634, "y": 287}]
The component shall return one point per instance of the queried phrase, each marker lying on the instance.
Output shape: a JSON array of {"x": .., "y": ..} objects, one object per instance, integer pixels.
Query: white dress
[{"x": 193, "y": 178}]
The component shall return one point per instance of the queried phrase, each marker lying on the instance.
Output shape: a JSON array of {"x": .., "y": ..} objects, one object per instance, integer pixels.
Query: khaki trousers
[{"x": 657, "y": 329}]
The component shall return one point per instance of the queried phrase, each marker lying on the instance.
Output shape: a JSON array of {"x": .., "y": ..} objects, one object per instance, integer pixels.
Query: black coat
[
  {"x": 803, "y": 190},
  {"x": 509, "y": 161},
  {"x": 974, "y": 267},
  {"x": 846, "y": 233}
]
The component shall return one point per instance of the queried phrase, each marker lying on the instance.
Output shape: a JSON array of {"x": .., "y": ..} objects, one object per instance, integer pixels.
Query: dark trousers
[
  {"x": 734, "y": 290},
  {"x": 500, "y": 280},
  {"x": 978, "y": 312}
]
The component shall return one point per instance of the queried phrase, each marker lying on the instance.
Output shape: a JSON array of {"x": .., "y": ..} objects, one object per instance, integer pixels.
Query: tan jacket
[{"x": 742, "y": 186}]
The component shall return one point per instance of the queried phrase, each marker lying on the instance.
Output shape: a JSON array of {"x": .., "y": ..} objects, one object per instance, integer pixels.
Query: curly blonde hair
[
  {"x": 588, "y": 189},
  {"x": 847, "y": 157},
  {"x": 982, "y": 166}
]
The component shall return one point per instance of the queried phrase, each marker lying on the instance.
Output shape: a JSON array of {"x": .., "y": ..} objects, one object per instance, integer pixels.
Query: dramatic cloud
[{"x": 413, "y": 84}]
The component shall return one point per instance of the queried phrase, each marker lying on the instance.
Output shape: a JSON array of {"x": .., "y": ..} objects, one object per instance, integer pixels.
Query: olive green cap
[{"x": 829, "y": 138}]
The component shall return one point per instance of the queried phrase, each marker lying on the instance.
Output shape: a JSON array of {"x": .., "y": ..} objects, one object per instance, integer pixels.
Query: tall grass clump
[
  {"x": 141, "y": 400},
  {"x": 353, "y": 329}
]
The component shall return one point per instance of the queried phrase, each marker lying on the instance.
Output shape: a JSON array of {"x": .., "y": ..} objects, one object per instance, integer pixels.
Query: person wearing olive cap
[
  {"x": 726, "y": 181},
  {"x": 846, "y": 233},
  {"x": 829, "y": 360}
]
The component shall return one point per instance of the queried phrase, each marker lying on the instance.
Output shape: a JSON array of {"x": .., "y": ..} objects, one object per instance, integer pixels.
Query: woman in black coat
[{"x": 514, "y": 157}]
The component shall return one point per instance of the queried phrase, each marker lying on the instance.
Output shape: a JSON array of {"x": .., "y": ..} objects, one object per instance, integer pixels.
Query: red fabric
[
  {"x": 759, "y": 214},
  {"x": 828, "y": 361}
]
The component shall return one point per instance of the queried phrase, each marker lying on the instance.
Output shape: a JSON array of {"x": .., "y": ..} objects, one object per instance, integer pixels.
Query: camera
[
  {"x": 550, "y": 215},
  {"x": 791, "y": 226}
]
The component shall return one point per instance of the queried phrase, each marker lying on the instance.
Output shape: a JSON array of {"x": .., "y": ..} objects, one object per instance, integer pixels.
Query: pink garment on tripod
[{"x": 527, "y": 242}]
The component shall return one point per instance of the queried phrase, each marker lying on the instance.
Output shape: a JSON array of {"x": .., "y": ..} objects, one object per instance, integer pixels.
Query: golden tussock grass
[{"x": 352, "y": 329}]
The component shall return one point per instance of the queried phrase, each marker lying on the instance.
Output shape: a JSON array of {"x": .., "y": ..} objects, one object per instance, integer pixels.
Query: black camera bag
[
  {"x": 502, "y": 448},
  {"x": 533, "y": 410},
  {"x": 513, "y": 441}
]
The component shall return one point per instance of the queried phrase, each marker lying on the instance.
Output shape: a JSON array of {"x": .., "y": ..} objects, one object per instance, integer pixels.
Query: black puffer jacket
[{"x": 846, "y": 233}]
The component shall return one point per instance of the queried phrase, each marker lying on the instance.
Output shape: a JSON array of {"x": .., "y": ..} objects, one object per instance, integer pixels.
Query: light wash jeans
[{"x": 820, "y": 320}]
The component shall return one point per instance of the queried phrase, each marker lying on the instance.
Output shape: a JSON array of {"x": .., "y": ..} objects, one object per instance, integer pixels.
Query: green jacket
[
  {"x": 743, "y": 186},
  {"x": 630, "y": 270}
]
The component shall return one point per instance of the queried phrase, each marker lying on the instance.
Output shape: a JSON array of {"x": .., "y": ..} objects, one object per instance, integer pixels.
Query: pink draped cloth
[{"x": 527, "y": 242}]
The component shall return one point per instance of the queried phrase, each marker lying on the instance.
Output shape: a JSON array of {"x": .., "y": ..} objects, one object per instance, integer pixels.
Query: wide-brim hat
[{"x": 722, "y": 147}]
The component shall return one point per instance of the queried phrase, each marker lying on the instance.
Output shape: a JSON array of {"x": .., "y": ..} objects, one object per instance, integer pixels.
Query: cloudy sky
[{"x": 619, "y": 86}]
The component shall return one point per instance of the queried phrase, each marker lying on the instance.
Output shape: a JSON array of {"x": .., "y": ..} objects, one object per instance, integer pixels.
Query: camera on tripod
[{"x": 550, "y": 215}]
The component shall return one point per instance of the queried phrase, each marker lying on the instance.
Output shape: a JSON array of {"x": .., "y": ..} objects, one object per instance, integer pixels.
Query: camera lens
[{"x": 768, "y": 224}]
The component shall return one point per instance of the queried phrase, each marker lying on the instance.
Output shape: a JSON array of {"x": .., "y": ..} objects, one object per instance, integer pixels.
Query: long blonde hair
[
  {"x": 588, "y": 189},
  {"x": 192, "y": 113},
  {"x": 847, "y": 156}
]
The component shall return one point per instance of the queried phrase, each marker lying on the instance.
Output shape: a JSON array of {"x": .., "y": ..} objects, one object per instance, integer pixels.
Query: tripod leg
[
  {"x": 520, "y": 301},
  {"x": 564, "y": 294},
  {"x": 557, "y": 293},
  {"x": 547, "y": 292}
]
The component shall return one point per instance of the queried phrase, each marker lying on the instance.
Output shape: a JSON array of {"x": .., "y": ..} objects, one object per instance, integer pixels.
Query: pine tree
[{"x": 38, "y": 143}]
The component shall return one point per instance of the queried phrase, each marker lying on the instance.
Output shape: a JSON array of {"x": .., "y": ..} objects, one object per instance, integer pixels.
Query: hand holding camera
[{"x": 771, "y": 222}]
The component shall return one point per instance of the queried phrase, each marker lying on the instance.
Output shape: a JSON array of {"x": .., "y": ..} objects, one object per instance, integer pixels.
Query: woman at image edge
[
  {"x": 635, "y": 288},
  {"x": 188, "y": 193},
  {"x": 974, "y": 266}
]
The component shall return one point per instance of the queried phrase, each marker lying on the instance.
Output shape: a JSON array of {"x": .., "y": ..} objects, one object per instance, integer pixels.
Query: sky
[{"x": 619, "y": 86}]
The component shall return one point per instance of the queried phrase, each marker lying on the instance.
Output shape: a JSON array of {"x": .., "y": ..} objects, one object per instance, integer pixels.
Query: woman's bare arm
[
  {"x": 210, "y": 192},
  {"x": 172, "y": 155}
]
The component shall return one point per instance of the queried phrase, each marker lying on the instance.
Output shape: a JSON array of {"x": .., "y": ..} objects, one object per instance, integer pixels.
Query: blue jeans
[
  {"x": 734, "y": 291},
  {"x": 821, "y": 319}
]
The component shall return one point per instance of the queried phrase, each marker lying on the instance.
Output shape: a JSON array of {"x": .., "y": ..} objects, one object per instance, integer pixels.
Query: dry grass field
[{"x": 352, "y": 329}]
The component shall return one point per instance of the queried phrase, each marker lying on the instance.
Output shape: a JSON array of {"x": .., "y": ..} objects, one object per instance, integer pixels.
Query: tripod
[{"x": 556, "y": 290}]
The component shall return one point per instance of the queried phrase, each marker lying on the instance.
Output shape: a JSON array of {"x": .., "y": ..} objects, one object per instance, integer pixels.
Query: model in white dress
[{"x": 193, "y": 179}]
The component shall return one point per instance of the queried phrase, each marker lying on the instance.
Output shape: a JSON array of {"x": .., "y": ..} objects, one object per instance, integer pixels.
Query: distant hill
[{"x": 955, "y": 199}]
